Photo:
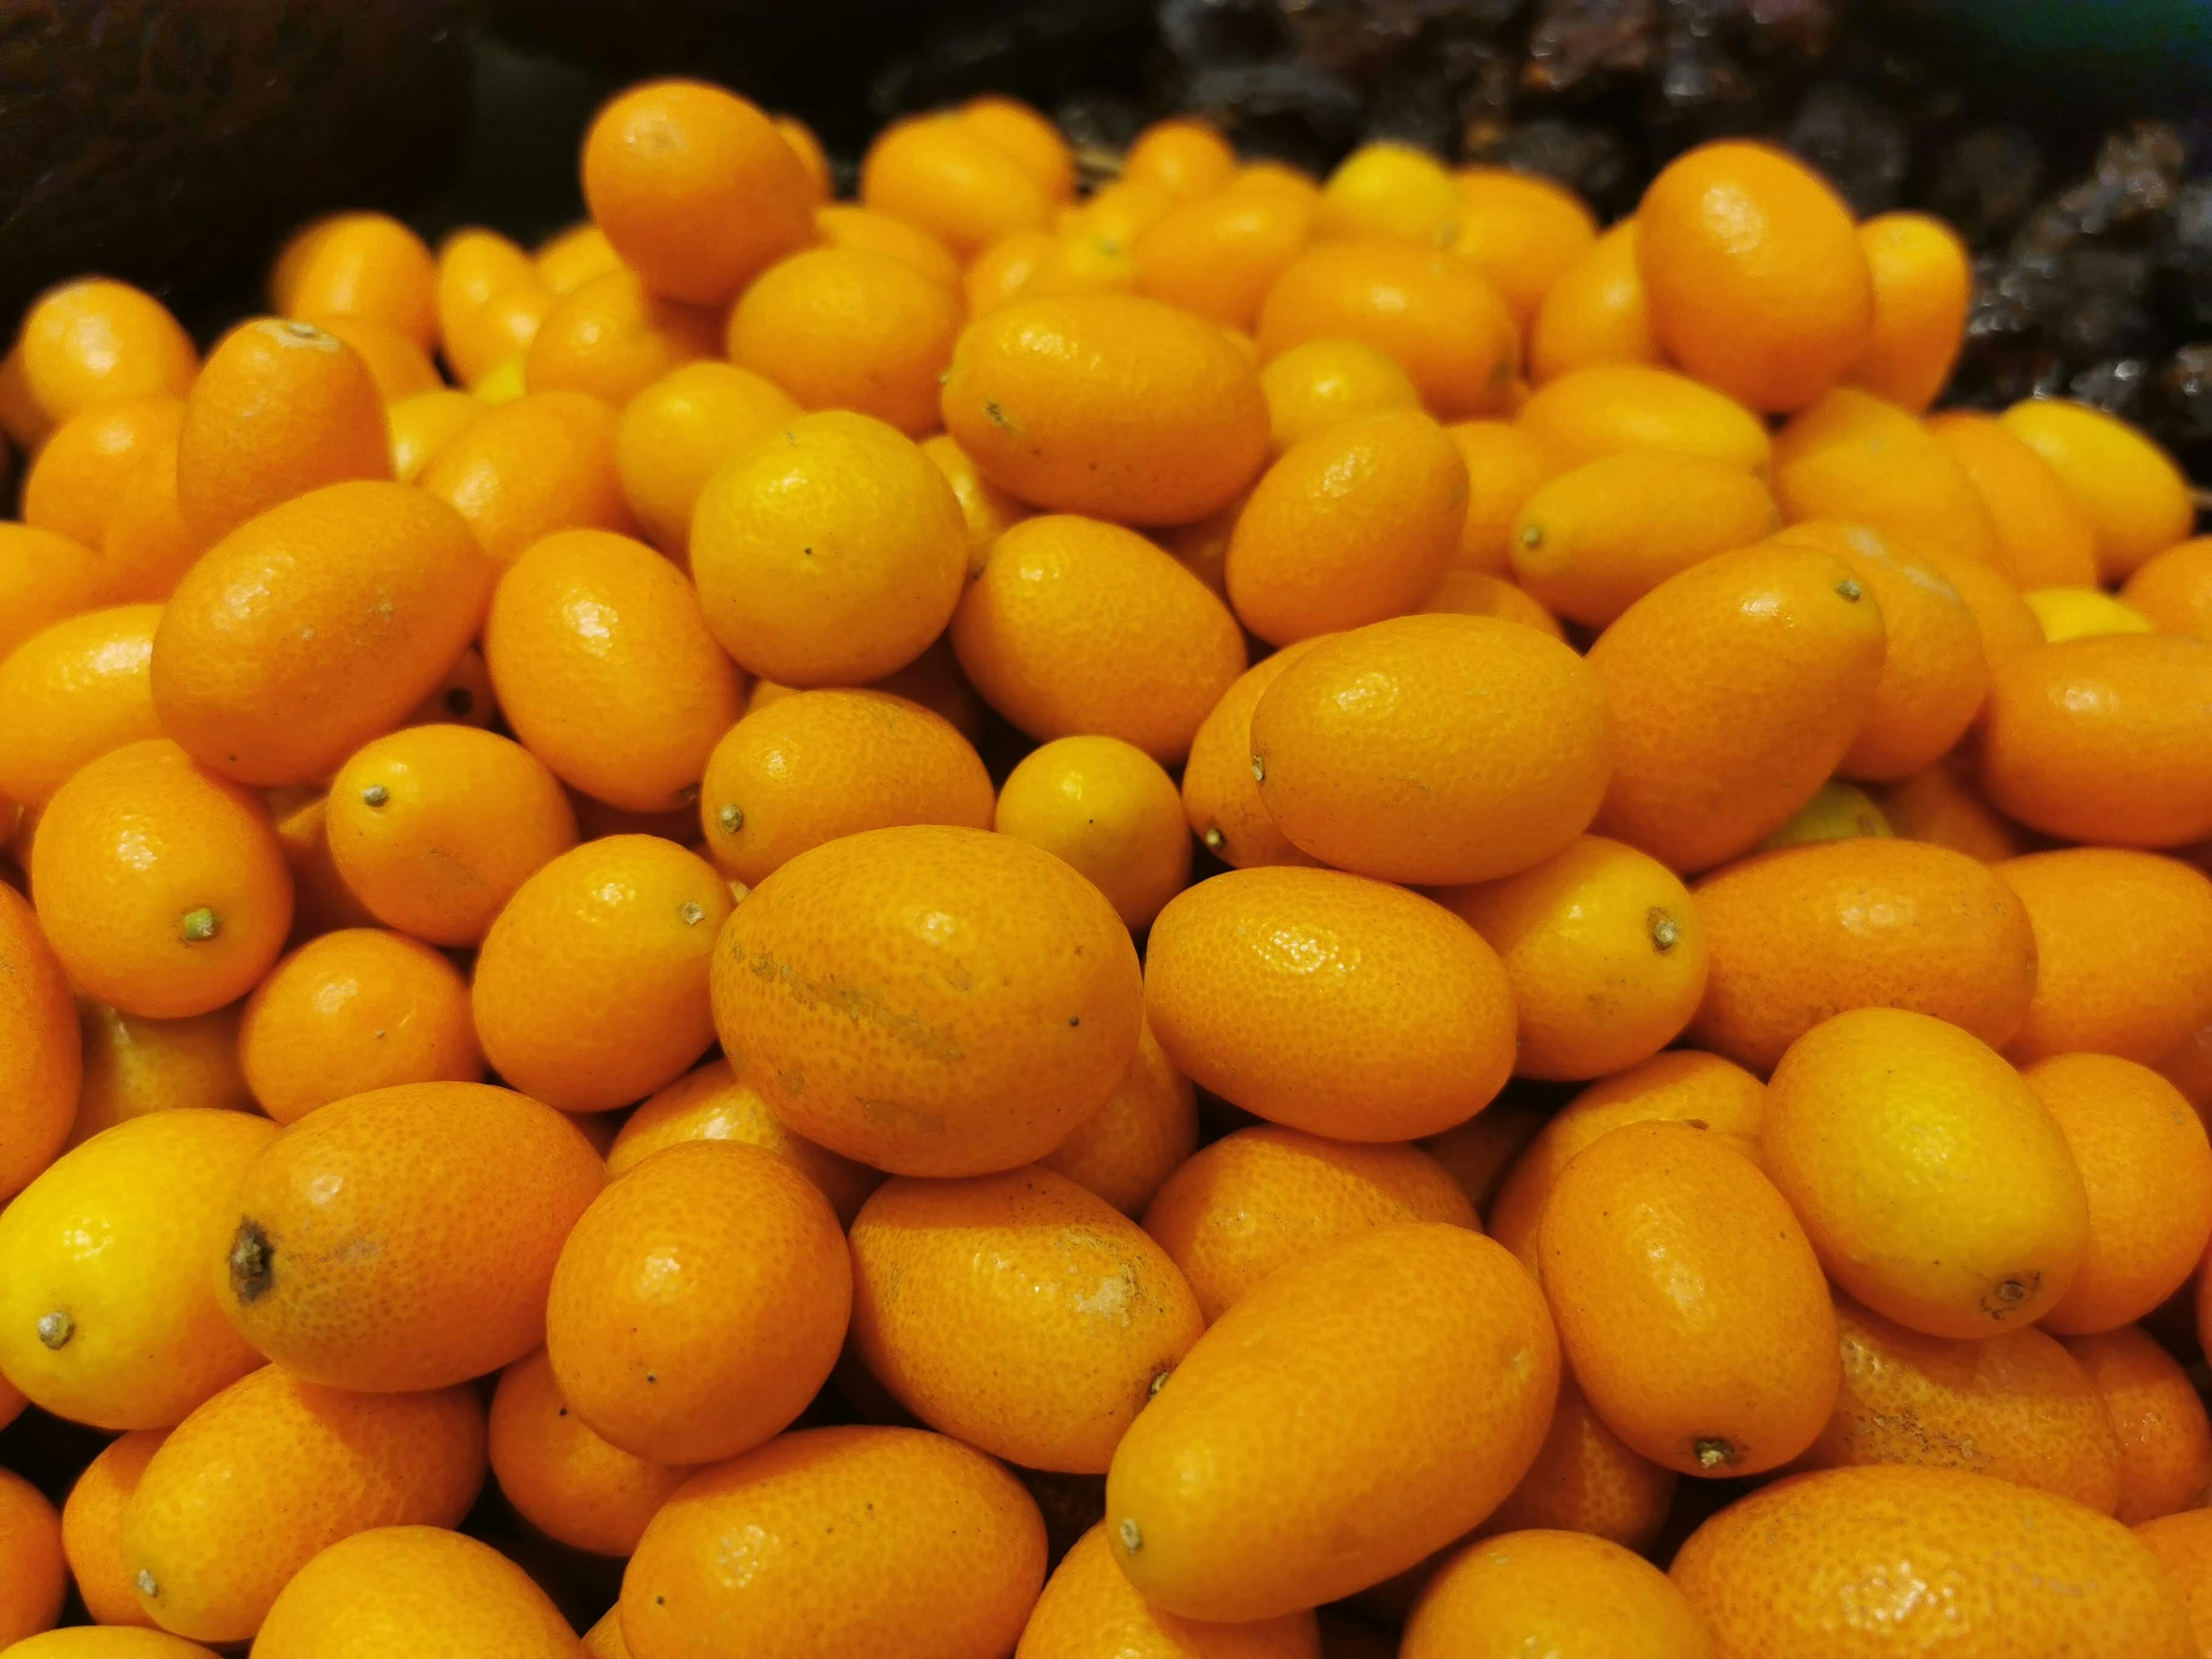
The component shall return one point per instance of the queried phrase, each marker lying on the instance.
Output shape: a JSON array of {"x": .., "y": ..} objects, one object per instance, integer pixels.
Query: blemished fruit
[
  {"x": 410, "y": 1589},
  {"x": 2165, "y": 1437},
  {"x": 405, "y": 1238},
  {"x": 1330, "y": 1003},
  {"x": 92, "y": 1528},
  {"x": 1420, "y": 1367},
  {"x": 1789, "y": 1570},
  {"x": 1518, "y": 1593},
  {"x": 1875, "y": 1106},
  {"x": 855, "y": 1541},
  {"x": 1090, "y": 1610},
  {"x": 996, "y": 1028},
  {"x": 1017, "y": 1312}
]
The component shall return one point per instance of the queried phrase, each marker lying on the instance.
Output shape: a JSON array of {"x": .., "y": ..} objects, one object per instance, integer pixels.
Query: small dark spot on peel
[{"x": 252, "y": 1263}]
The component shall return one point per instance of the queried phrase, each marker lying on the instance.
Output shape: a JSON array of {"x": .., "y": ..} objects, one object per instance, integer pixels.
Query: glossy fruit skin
[
  {"x": 1018, "y": 1312},
  {"x": 1110, "y": 404},
  {"x": 1514, "y": 1592},
  {"x": 1922, "y": 287},
  {"x": 1609, "y": 409},
  {"x": 1330, "y": 1003},
  {"x": 2104, "y": 740},
  {"x": 2148, "y": 1169},
  {"x": 108, "y": 1642},
  {"x": 2165, "y": 1437},
  {"x": 403, "y": 1239},
  {"x": 97, "y": 341},
  {"x": 1073, "y": 626},
  {"x": 1349, "y": 527},
  {"x": 92, "y": 1528},
  {"x": 1111, "y": 811},
  {"x": 74, "y": 487},
  {"x": 1807, "y": 932},
  {"x": 1146, "y": 1130},
  {"x": 680, "y": 431},
  {"x": 31, "y": 1544},
  {"x": 114, "y": 1239},
  {"x": 1521, "y": 231},
  {"x": 944, "y": 177},
  {"x": 560, "y": 1475},
  {"x": 2016, "y": 1406},
  {"x": 1088, "y": 1609},
  {"x": 1217, "y": 256},
  {"x": 1642, "y": 1341},
  {"x": 2012, "y": 1231},
  {"x": 396, "y": 1591},
  {"x": 542, "y": 462},
  {"x": 699, "y": 1303},
  {"x": 2044, "y": 536},
  {"x": 246, "y": 1491},
  {"x": 2174, "y": 588},
  {"x": 1221, "y": 799},
  {"x": 989, "y": 1078},
  {"x": 1489, "y": 752},
  {"x": 1594, "y": 313},
  {"x": 1586, "y": 1479},
  {"x": 314, "y": 628},
  {"x": 2123, "y": 952},
  {"x": 1355, "y": 1344},
  {"x": 1324, "y": 383},
  {"x": 41, "y": 1063},
  {"x": 365, "y": 266},
  {"x": 79, "y": 688},
  {"x": 2180, "y": 1543},
  {"x": 1606, "y": 951},
  {"x": 613, "y": 338},
  {"x": 1753, "y": 274},
  {"x": 2137, "y": 498},
  {"x": 44, "y": 577},
  {"x": 846, "y": 328},
  {"x": 1734, "y": 688},
  {"x": 161, "y": 887},
  {"x": 1261, "y": 1197},
  {"x": 872, "y": 1539},
  {"x": 1791, "y": 1568}
]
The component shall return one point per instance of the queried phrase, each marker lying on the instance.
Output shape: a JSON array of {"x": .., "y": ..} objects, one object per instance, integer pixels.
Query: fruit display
[{"x": 1187, "y": 911}]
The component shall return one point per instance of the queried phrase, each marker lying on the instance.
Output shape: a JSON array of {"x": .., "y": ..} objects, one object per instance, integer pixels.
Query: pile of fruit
[{"x": 1675, "y": 996}]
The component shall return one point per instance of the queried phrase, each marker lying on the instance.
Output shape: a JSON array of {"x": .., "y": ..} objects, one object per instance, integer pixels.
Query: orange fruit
[
  {"x": 2136, "y": 499},
  {"x": 613, "y": 338},
  {"x": 605, "y": 668},
  {"x": 2044, "y": 536},
  {"x": 2123, "y": 952},
  {"x": 281, "y": 408},
  {"x": 2077, "y": 613},
  {"x": 1586, "y": 1479},
  {"x": 1876, "y": 1107},
  {"x": 1018, "y": 1312},
  {"x": 1504, "y": 467},
  {"x": 1523, "y": 1592},
  {"x": 1262, "y": 1197},
  {"x": 363, "y": 265},
  {"x": 1419, "y": 1365},
  {"x": 1589, "y": 543},
  {"x": 462, "y": 697},
  {"x": 422, "y": 426},
  {"x": 2145, "y": 1164},
  {"x": 1838, "y": 811},
  {"x": 2165, "y": 1439},
  {"x": 943, "y": 175},
  {"x": 1389, "y": 189},
  {"x": 1000, "y": 1026},
  {"x": 133, "y": 1067},
  {"x": 844, "y": 225},
  {"x": 809, "y": 768},
  {"x": 2104, "y": 740},
  {"x": 1734, "y": 688},
  {"x": 2016, "y": 1406},
  {"x": 148, "y": 546},
  {"x": 1074, "y": 626},
  {"x": 604, "y": 1639},
  {"x": 694, "y": 188},
  {"x": 43, "y": 578},
  {"x": 831, "y": 553},
  {"x": 77, "y": 484},
  {"x": 1322, "y": 384},
  {"x": 1521, "y": 231},
  {"x": 1146, "y": 1131},
  {"x": 1851, "y": 457},
  {"x": 352, "y": 1011},
  {"x": 845, "y": 328},
  {"x": 1026, "y": 133},
  {"x": 987, "y": 510},
  {"x": 858, "y": 1539},
  {"x": 1943, "y": 804},
  {"x": 812, "y": 158},
  {"x": 1923, "y": 285},
  {"x": 434, "y": 827},
  {"x": 474, "y": 267},
  {"x": 1429, "y": 309},
  {"x": 1592, "y": 312},
  {"x": 321, "y": 899},
  {"x": 1754, "y": 274},
  {"x": 542, "y": 462},
  {"x": 2183, "y": 1546},
  {"x": 1465, "y": 593},
  {"x": 1164, "y": 424},
  {"x": 1605, "y": 951},
  {"x": 108, "y": 1642},
  {"x": 1107, "y": 809},
  {"x": 245, "y": 1491},
  {"x": 1478, "y": 1153},
  {"x": 2172, "y": 588},
  {"x": 1004, "y": 270},
  {"x": 699, "y": 1303},
  {"x": 400, "y": 367},
  {"x": 407, "y": 1590},
  {"x": 678, "y": 432},
  {"x": 37, "y": 1578},
  {"x": 711, "y": 1103},
  {"x": 160, "y": 886},
  {"x": 568, "y": 259},
  {"x": 1267, "y": 176},
  {"x": 1089, "y": 1609},
  {"x": 495, "y": 341},
  {"x": 1217, "y": 256},
  {"x": 1609, "y": 408},
  {"x": 627, "y": 920},
  {"x": 95, "y": 342},
  {"x": 1351, "y": 526},
  {"x": 1221, "y": 798},
  {"x": 1808, "y": 932},
  {"x": 2008, "y": 629},
  {"x": 1185, "y": 158},
  {"x": 362, "y": 595},
  {"x": 92, "y": 1528},
  {"x": 1264, "y": 985},
  {"x": 1793, "y": 1568},
  {"x": 1436, "y": 749},
  {"x": 75, "y": 689},
  {"x": 405, "y": 1238},
  {"x": 20, "y": 418}
]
